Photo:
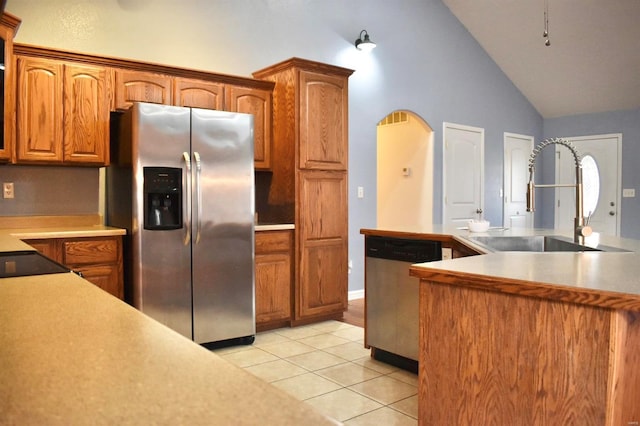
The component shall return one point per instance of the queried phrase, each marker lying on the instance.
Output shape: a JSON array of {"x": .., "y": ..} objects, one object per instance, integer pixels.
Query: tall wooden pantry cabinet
[{"x": 309, "y": 179}]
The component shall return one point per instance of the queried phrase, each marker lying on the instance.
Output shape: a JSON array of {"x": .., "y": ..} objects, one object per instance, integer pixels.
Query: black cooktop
[{"x": 24, "y": 263}]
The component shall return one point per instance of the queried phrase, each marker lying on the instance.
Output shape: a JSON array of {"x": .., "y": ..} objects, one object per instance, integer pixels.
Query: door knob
[{"x": 612, "y": 213}]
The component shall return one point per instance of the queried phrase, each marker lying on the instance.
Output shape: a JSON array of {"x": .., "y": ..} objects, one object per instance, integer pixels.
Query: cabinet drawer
[
  {"x": 78, "y": 252},
  {"x": 273, "y": 241}
]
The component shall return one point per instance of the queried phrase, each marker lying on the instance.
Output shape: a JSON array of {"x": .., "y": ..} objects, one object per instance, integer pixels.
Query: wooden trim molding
[
  {"x": 49, "y": 53},
  {"x": 306, "y": 65},
  {"x": 10, "y": 21}
]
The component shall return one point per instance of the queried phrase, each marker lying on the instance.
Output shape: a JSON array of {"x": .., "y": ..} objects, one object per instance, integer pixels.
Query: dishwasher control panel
[{"x": 401, "y": 249}]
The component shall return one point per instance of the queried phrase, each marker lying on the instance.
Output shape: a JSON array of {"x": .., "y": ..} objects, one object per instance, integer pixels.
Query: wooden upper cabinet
[
  {"x": 86, "y": 114},
  {"x": 8, "y": 27},
  {"x": 39, "y": 113},
  {"x": 194, "y": 93},
  {"x": 141, "y": 86},
  {"x": 256, "y": 102},
  {"x": 63, "y": 113},
  {"x": 323, "y": 121}
]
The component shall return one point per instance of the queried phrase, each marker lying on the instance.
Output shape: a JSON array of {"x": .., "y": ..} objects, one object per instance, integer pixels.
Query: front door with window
[{"x": 601, "y": 159}]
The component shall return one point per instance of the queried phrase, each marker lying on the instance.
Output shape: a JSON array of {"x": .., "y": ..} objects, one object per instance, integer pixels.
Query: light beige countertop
[
  {"x": 274, "y": 226},
  {"x": 10, "y": 243},
  {"x": 71, "y": 354},
  {"x": 609, "y": 280},
  {"x": 466, "y": 237},
  {"x": 604, "y": 279},
  {"x": 42, "y": 227},
  {"x": 64, "y": 232}
]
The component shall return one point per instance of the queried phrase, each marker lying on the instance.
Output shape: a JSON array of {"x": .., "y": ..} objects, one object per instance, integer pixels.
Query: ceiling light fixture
[
  {"x": 364, "y": 44},
  {"x": 545, "y": 33}
]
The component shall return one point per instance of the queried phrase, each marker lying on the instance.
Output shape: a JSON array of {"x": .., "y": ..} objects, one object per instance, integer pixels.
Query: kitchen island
[{"x": 528, "y": 338}]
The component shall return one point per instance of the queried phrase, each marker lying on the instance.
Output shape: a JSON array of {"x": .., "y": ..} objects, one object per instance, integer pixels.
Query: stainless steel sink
[{"x": 539, "y": 243}]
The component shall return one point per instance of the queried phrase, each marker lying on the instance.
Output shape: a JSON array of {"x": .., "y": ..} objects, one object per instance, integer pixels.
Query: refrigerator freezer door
[
  {"x": 222, "y": 236},
  {"x": 162, "y": 258}
]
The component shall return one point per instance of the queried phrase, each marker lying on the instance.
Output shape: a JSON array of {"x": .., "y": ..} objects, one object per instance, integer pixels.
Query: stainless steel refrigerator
[{"x": 181, "y": 181}]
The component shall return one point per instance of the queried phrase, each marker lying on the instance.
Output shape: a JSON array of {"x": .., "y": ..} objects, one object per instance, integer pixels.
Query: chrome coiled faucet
[{"x": 581, "y": 226}]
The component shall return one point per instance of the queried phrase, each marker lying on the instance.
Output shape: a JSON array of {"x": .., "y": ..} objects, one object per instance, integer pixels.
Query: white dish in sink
[{"x": 478, "y": 225}]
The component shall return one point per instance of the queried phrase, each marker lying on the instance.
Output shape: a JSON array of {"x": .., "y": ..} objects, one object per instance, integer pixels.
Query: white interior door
[
  {"x": 463, "y": 174},
  {"x": 517, "y": 149},
  {"x": 601, "y": 175}
]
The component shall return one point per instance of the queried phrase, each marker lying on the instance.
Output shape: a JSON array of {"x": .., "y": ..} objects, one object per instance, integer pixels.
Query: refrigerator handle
[
  {"x": 187, "y": 205},
  {"x": 198, "y": 223}
]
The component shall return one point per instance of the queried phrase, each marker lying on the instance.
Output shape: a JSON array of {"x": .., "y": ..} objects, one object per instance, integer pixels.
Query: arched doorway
[{"x": 404, "y": 171}]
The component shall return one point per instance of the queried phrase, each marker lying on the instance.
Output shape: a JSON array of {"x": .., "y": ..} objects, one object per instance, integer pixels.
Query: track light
[
  {"x": 545, "y": 33},
  {"x": 364, "y": 44}
]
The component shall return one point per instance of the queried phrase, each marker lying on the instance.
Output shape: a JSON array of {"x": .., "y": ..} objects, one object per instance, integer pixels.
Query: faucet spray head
[{"x": 531, "y": 196}]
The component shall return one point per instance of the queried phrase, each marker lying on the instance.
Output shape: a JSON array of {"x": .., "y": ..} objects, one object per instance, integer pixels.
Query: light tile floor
[{"x": 326, "y": 365}]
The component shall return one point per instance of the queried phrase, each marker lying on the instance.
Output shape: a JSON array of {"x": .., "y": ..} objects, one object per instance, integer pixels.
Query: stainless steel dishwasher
[{"x": 391, "y": 297}]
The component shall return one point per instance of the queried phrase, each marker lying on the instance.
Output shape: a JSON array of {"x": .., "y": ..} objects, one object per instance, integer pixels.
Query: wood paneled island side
[{"x": 530, "y": 338}]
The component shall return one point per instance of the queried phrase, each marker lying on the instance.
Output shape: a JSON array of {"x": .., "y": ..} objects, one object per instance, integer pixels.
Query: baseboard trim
[{"x": 356, "y": 294}]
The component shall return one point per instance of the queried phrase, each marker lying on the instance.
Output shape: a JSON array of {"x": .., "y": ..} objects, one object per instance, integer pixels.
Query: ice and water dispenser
[{"x": 162, "y": 198}]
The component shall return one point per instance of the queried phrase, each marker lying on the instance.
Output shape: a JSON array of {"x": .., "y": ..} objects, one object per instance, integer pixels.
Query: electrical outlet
[
  {"x": 629, "y": 192},
  {"x": 360, "y": 192},
  {"x": 447, "y": 253},
  {"x": 7, "y": 190}
]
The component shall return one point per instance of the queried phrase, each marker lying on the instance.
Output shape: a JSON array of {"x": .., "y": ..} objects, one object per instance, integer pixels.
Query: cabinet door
[
  {"x": 323, "y": 121},
  {"x": 273, "y": 277},
  {"x": 39, "y": 113},
  {"x": 273, "y": 287},
  {"x": 7, "y": 134},
  {"x": 107, "y": 277},
  {"x": 323, "y": 237},
  {"x": 258, "y": 103},
  {"x": 132, "y": 86},
  {"x": 198, "y": 94},
  {"x": 86, "y": 114}
]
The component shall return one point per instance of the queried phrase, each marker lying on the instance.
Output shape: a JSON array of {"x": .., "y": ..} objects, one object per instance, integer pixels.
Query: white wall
[
  {"x": 425, "y": 62},
  {"x": 405, "y": 175}
]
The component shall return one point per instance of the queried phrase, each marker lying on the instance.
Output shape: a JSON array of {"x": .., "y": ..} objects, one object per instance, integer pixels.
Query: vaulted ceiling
[{"x": 593, "y": 61}]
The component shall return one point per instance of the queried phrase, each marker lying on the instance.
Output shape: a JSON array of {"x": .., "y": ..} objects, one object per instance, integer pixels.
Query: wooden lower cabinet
[
  {"x": 321, "y": 292},
  {"x": 98, "y": 259},
  {"x": 273, "y": 272}
]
